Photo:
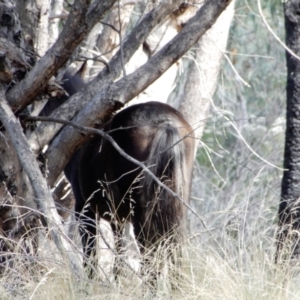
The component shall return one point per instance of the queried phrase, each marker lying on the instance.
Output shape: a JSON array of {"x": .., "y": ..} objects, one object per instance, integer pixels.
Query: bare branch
[
  {"x": 111, "y": 26},
  {"x": 45, "y": 132},
  {"x": 78, "y": 24},
  {"x": 119, "y": 93}
]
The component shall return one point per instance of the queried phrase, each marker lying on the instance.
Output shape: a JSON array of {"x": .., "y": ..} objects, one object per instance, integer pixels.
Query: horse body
[
  {"x": 108, "y": 185},
  {"x": 116, "y": 188}
]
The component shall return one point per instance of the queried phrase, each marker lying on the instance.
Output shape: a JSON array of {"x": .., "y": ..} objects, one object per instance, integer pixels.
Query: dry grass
[
  {"x": 225, "y": 263},
  {"x": 206, "y": 272}
]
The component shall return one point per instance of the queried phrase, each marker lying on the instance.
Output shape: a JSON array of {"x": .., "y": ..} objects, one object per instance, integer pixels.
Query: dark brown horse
[{"x": 108, "y": 185}]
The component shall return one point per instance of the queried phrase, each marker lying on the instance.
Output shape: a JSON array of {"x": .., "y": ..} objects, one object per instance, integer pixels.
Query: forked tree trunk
[{"x": 289, "y": 208}]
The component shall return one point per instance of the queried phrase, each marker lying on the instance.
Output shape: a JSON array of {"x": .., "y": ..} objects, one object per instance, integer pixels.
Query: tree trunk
[
  {"x": 203, "y": 72},
  {"x": 289, "y": 209},
  {"x": 42, "y": 28},
  {"x": 41, "y": 193},
  {"x": 24, "y": 194},
  {"x": 56, "y": 15}
]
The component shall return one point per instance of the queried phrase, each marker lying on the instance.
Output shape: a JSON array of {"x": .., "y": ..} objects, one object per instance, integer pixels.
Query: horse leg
[
  {"x": 83, "y": 214},
  {"x": 117, "y": 231},
  {"x": 132, "y": 251},
  {"x": 88, "y": 230}
]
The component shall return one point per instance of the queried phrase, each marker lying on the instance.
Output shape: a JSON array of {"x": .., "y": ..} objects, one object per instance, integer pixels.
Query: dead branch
[
  {"x": 80, "y": 21},
  {"x": 42, "y": 194},
  {"x": 45, "y": 132},
  {"x": 117, "y": 94}
]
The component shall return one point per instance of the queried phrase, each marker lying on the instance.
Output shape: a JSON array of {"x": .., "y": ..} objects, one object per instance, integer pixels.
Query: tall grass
[{"x": 207, "y": 271}]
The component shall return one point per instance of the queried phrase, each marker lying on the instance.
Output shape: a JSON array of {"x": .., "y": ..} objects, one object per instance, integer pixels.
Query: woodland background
[{"x": 236, "y": 187}]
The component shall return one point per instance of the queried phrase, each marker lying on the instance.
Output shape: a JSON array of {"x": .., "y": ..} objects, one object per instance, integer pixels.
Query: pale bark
[
  {"x": 111, "y": 38},
  {"x": 119, "y": 93},
  {"x": 201, "y": 77},
  {"x": 42, "y": 28},
  {"x": 55, "y": 17}
]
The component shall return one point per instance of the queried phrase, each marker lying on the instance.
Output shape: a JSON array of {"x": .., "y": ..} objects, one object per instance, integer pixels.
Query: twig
[
  {"x": 273, "y": 33},
  {"x": 111, "y": 26},
  {"x": 85, "y": 58}
]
